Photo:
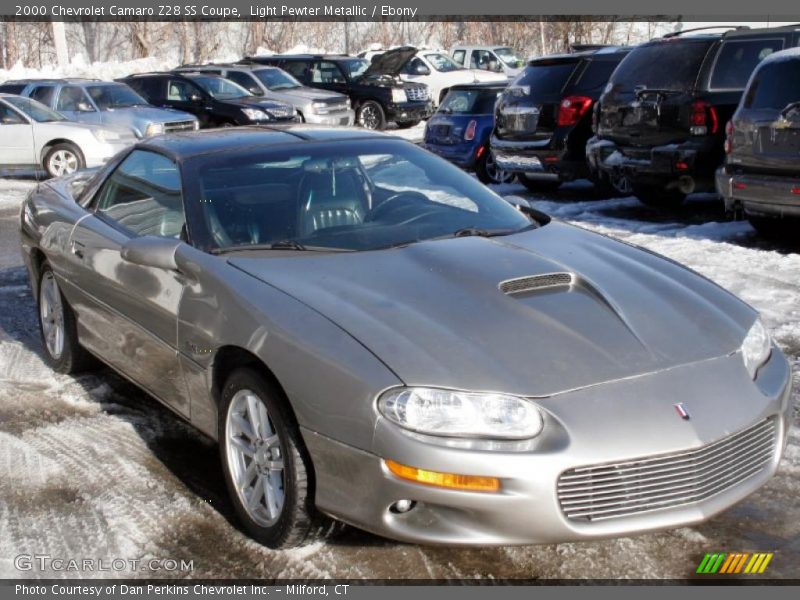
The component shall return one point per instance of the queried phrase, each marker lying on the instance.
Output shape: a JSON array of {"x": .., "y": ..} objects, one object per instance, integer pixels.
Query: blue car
[{"x": 460, "y": 130}]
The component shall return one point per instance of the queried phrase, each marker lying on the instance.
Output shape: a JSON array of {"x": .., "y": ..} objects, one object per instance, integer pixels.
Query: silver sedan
[{"x": 375, "y": 338}]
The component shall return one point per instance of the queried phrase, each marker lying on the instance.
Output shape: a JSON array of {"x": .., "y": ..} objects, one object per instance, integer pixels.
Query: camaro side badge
[{"x": 682, "y": 412}]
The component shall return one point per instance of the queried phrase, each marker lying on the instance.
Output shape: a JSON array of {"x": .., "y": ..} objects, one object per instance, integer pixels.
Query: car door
[
  {"x": 16, "y": 138},
  {"x": 129, "y": 315},
  {"x": 246, "y": 80},
  {"x": 186, "y": 96},
  {"x": 74, "y": 104}
]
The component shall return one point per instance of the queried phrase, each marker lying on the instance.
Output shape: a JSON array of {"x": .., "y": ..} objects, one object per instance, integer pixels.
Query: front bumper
[
  {"x": 404, "y": 112},
  {"x": 346, "y": 118},
  {"x": 658, "y": 165},
  {"x": 614, "y": 422},
  {"x": 759, "y": 194},
  {"x": 537, "y": 158}
]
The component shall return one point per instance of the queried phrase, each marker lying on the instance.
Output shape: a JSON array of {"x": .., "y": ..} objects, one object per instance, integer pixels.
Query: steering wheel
[{"x": 384, "y": 206}]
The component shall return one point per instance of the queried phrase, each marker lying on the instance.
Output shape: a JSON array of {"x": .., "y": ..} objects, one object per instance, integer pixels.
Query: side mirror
[
  {"x": 255, "y": 90},
  {"x": 152, "y": 251},
  {"x": 422, "y": 70}
]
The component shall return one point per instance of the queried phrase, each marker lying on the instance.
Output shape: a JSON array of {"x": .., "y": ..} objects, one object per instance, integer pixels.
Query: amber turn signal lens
[{"x": 472, "y": 483}]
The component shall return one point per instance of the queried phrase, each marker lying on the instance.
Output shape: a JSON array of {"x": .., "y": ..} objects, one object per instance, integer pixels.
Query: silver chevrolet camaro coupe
[{"x": 375, "y": 338}]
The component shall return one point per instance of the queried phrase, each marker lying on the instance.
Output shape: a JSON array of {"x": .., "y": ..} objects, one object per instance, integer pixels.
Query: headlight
[
  {"x": 105, "y": 135},
  {"x": 255, "y": 114},
  {"x": 196, "y": 125},
  {"x": 461, "y": 414},
  {"x": 154, "y": 129},
  {"x": 399, "y": 95},
  {"x": 756, "y": 348}
]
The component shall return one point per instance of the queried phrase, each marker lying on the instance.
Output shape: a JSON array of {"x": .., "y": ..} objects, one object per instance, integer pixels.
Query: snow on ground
[{"x": 91, "y": 467}]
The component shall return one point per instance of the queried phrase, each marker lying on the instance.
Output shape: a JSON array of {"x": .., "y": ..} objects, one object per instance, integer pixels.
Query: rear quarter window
[
  {"x": 545, "y": 77},
  {"x": 11, "y": 88},
  {"x": 668, "y": 65},
  {"x": 736, "y": 60},
  {"x": 775, "y": 86}
]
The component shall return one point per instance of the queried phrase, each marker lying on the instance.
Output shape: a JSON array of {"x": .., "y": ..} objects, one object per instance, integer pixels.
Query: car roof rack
[{"x": 674, "y": 34}]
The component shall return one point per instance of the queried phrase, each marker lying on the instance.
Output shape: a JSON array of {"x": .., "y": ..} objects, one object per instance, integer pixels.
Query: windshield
[
  {"x": 276, "y": 79},
  {"x": 114, "y": 96},
  {"x": 472, "y": 102},
  {"x": 509, "y": 56},
  {"x": 678, "y": 65},
  {"x": 775, "y": 86},
  {"x": 352, "y": 196},
  {"x": 442, "y": 63},
  {"x": 35, "y": 110},
  {"x": 221, "y": 89},
  {"x": 354, "y": 67}
]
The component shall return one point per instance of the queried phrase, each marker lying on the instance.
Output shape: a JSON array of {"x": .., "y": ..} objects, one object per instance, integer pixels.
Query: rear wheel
[
  {"x": 773, "y": 228},
  {"x": 370, "y": 115},
  {"x": 58, "y": 328},
  {"x": 488, "y": 172},
  {"x": 407, "y": 124},
  {"x": 266, "y": 466},
  {"x": 658, "y": 197},
  {"x": 538, "y": 185},
  {"x": 63, "y": 159}
]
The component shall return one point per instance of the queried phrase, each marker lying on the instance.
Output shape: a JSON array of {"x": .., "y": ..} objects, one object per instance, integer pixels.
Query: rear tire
[
  {"x": 658, "y": 197},
  {"x": 267, "y": 468},
  {"x": 538, "y": 185},
  {"x": 488, "y": 172},
  {"x": 407, "y": 124},
  {"x": 773, "y": 228},
  {"x": 58, "y": 328}
]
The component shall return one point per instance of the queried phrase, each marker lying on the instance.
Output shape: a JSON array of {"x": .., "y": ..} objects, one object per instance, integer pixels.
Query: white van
[{"x": 499, "y": 59}]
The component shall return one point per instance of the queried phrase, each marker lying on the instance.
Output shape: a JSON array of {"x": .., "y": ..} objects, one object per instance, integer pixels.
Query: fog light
[
  {"x": 472, "y": 483},
  {"x": 402, "y": 506}
]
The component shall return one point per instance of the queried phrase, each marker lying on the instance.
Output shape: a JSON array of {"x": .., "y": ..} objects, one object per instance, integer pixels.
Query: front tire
[
  {"x": 370, "y": 115},
  {"x": 63, "y": 159},
  {"x": 267, "y": 469},
  {"x": 58, "y": 329}
]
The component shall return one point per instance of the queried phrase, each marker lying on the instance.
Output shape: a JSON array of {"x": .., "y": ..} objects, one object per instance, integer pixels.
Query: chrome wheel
[
  {"x": 62, "y": 162},
  {"x": 51, "y": 314},
  {"x": 496, "y": 174},
  {"x": 255, "y": 458},
  {"x": 368, "y": 117},
  {"x": 620, "y": 183}
]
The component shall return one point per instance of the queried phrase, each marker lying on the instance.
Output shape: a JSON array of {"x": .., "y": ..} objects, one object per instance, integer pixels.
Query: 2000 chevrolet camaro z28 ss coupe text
[{"x": 375, "y": 337}]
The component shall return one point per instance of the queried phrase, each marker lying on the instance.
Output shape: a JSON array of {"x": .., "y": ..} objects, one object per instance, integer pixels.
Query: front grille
[
  {"x": 179, "y": 126},
  {"x": 280, "y": 112},
  {"x": 536, "y": 282},
  {"x": 616, "y": 490},
  {"x": 417, "y": 93}
]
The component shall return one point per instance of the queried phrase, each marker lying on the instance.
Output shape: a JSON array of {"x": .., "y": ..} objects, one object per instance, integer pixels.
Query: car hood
[
  {"x": 308, "y": 93},
  {"x": 131, "y": 115},
  {"x": 434, "y": 312},
  {"x": 255, "y": 101},
  {"x": 390, "y": 62}
]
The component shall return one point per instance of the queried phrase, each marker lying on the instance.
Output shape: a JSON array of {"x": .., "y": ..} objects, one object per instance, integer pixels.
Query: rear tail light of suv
[
  {"x": 704, "y": 118},
  {"x": 572, "y": 108}
]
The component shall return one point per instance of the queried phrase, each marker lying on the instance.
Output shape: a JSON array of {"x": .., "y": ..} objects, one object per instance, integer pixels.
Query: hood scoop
[{"x": 521, "y": 285}]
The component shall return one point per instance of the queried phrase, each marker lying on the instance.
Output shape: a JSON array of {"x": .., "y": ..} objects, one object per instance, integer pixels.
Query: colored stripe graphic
[{"x": 735, "y": 562}]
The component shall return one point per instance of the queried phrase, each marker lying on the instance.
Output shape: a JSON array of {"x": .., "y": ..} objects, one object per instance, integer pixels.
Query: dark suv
[
  {"x": 761, "y": 175},
  {"x": 375, "y": 90},
  {"x": 661, "y": 120},
  {"x": 216, "y": 101},
  {"x": 543, "y": 119}
]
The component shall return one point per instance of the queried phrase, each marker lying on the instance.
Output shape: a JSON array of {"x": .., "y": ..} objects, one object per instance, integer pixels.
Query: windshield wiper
[
  {"x": 287, "y": 245},
  {"x": 279, "y": 245},
  {"x": 478, "y": 232}
]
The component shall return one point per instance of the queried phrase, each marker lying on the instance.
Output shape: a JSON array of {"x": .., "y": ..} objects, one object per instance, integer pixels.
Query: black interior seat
[{"x": 331, "y": 198}]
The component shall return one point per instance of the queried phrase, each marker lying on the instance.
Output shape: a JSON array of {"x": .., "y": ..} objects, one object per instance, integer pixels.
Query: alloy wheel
[
  {"x": 255, "y": 458},
  {"x": 51, "y": 313},
  {"x": 63, "y": 162},
  {"x": 620, "y": 183},
  {"x": 369, "y": 118},
  {"x": 495, "y": 173}
]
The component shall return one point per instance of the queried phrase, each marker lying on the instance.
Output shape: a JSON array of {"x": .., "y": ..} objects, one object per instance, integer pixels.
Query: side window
[
  {"x": 595, "y": 75},
  {"x": 43, "y": 94},
  {"x": 9, "y": 116},
  {"x": 482, "y": 59},
  {"x": 246, "y": 81},
  {"x": 180, "y": 91},
  {"x": 143, "y": 195},
  {"x": 458, "y": 56},
  {"x": 736, "y": 60},
  {"x": 72, "y": 98},
  {"x": 326, "y": 72},
  {"x": 298, "y": 68},
  {"x": 410, "y": 67}
]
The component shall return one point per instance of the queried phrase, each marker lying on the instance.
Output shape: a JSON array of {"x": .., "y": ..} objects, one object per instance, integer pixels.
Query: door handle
[{"x": 77, "y": 249}]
